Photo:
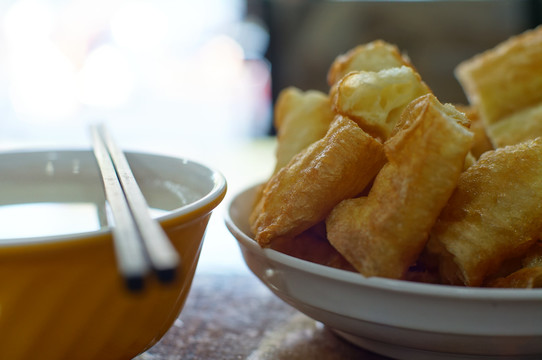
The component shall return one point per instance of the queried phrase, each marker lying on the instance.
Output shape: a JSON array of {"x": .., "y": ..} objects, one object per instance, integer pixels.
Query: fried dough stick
[
  {"x": 522, "y": 272},
  {"x": 505, "y": 84},
  {"x": 301, "y": 194},
  {"x": 373, "y": 56},
  {"x": 375, "y": 100},
  {"x": 493, "y": 215},
  {"x": 481, "y": 142},
  {"x": 526, "y": 278},
  {"x": 301, "y": 118},
  {"x": 384, "y": 233},
  {"x": 525, "y": 272},
  {"x": 312, "y": 245}
]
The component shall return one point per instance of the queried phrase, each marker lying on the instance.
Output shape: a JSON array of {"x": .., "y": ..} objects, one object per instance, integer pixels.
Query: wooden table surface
[{"x": 237, "y": 317}]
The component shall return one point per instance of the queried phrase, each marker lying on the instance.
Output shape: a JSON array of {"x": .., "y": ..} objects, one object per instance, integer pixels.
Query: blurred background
[
  {"x": 307, "y": 35},
  {"x": 159, "y": 72},
  {"x": 198, "y": 78},
  {"x": 163, "y": 73}
]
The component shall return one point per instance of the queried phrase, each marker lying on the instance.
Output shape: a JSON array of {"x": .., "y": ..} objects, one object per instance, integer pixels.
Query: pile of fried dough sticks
[{"x": 378, "y": 176}]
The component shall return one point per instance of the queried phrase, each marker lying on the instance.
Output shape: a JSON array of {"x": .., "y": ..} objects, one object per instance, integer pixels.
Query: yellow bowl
[{"x": 61, "y": 295}]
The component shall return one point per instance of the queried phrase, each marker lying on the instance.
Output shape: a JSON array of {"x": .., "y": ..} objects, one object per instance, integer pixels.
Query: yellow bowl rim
[{"x": 184, "y": 214}]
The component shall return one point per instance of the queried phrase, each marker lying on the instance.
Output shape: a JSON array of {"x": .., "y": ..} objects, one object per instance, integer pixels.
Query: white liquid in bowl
[
  {"x": 53, "y": 218},
  {"x": 50, "y": 193}
]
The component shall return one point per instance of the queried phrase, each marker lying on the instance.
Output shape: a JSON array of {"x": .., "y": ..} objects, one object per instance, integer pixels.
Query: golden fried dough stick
[
  {"x": 503, "y": 81},
  {"x": 301, "y": 194},
  {"x": 384, "y": 233},
  {"x": 301, "y": 118},
  {"x": 312, "y": 245},
  {"x": 528, "y": 275},
  {"x": 375, "y": 100},
  {"x": 481, "y": 142},
  {"x": 520, "y": 126},
  {"x": 534, "y": 256},
  {"x": 528, "y": 278},
  {"x": 493, "y": 215},
  {"x": 374, "y": 56}
]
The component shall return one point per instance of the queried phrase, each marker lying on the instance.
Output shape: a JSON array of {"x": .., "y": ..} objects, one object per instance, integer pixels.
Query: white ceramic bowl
[{"x": 399, "y": 319}]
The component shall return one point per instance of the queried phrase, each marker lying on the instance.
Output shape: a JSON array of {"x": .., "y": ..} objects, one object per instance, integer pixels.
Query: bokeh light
[
  {"x": 106, "y": 78},
  {"x": 67, "y": 62}
]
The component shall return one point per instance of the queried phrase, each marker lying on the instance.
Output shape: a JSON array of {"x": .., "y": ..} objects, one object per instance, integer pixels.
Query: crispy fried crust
[
  {"x": 374, "y": 56},
  {"x": 481, "y": 142},
  {"x": 493, "y": 215},
  {"x": 384, "y": 233},
  {"x": 302, "y": 193},
  {"x": 527, "y": 275},
  {"x": 312, "y": 245},
  {"x": 534, "y": 256},
  {"x": 527, "y": 278},
  {"x": 520, "y": 126},
  {"x": 375, "y": 100},
  {"x": 301, "y": 118},
  {"x": 505, "y": 80}
]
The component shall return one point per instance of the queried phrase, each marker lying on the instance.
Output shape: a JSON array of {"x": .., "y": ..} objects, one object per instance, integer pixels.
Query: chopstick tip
[
  {"x": 166, "y": 276},
  {"x": 134, "y": 284}
]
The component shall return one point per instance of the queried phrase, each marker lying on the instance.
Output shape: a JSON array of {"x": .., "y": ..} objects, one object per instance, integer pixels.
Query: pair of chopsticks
[{"x": 140, "y": 243}]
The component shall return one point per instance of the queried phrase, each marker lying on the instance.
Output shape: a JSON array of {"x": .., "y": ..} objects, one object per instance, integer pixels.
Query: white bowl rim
[
  {"x": 218, "y": 190},
  {"x": 356, "y": 279}
]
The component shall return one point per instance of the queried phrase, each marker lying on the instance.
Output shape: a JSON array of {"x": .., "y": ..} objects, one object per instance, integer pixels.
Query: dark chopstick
[{"x": 140, "y": 242}]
